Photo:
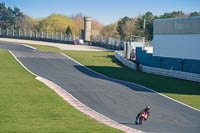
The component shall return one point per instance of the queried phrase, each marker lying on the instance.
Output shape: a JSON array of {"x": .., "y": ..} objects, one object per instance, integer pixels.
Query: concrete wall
[
  {"x": 149, "y": 49},
  {"x": 171, "y": 73}
]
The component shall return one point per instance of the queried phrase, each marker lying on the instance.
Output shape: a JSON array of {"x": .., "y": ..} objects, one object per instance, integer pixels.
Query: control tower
[{"x": 87, "y": 28}]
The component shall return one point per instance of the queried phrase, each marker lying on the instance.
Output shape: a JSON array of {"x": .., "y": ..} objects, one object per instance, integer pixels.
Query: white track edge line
[
  {"x": 129, "y": 128},
  {"x": 75, "y": 98},
  {"x": 29, "y": 46},
  {"x": 133, "y": 84},
  {"x": 21, "y": 63}
]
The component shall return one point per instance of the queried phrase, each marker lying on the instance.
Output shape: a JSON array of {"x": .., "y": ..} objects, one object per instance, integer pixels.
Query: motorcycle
[{"x": 143, "y": 116}]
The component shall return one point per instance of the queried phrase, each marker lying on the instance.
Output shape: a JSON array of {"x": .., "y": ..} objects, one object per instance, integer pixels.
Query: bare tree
[
  {"x": 78, "y": 19},
  {"x": 24, "y": 22}
]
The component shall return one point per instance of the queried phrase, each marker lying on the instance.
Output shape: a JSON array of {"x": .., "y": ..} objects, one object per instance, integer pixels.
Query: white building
[{"x": 177, "y": 38}]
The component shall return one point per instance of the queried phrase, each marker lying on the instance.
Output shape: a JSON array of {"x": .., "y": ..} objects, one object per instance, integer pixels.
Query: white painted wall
[
  {"x": 185, "y": 46},
  {"x": 149, "y": 49},
  {"x": 136, "y": 44}
]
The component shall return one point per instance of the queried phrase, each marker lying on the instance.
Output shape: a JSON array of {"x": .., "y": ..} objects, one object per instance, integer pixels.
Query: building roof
[{"x": 187, "y": 25}]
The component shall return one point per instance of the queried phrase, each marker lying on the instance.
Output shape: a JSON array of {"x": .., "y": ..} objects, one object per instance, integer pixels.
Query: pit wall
[
  {"x": 176, "y": 64},
  {"x": 155, "y": 70}
]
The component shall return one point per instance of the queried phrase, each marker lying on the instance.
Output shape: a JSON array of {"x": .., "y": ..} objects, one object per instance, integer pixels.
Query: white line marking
[
  {"x": 21, "y": 63},
  {"x": 84, "y": 109},
  {"x": 29, "y": 46}
]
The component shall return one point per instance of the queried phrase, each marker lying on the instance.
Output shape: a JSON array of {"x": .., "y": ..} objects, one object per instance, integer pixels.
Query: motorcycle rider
[{"x": 146, "y": 110}]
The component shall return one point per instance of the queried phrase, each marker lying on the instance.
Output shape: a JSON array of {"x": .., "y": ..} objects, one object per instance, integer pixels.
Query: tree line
[
  {"x": 71, "y": 25},
  {"x": 125, "y": 28}
]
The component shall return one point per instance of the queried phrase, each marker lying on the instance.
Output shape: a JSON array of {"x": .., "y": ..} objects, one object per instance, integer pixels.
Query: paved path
[
  {"x": 58, "y": 45},
  {"x": 115, "y": 99}
]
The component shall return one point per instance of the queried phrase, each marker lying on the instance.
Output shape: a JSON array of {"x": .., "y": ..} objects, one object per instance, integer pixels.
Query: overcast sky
[{"x": 106, "y": 11}]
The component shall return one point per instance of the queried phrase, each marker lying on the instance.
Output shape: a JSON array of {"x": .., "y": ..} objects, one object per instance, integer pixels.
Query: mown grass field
[
  {"x": 187, "y": 92},
  {"x": 28, "y": 106}
]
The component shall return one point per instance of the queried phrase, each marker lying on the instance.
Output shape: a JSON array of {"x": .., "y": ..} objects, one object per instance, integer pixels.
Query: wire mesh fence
[
  {"x": 35, "y": 35},
  {"x": 100, "y": 41}
]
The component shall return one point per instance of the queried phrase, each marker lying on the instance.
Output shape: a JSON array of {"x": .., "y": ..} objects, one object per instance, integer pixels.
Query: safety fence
[
  {"x": 35, "y": 35},
  {"x": 158, "y": 71},
  {"x": 106, "y": 42},
  {"x": 117, "y": 44}
]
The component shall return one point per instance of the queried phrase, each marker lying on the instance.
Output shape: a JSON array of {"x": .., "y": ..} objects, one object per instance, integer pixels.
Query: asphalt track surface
[{"x": 118, "y": 100}]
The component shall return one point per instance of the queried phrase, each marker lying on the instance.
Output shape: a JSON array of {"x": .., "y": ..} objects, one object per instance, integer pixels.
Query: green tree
[
  {"x": 195, "y": 14},
  {"x": 8, "y": 16},
  {"x": 174, "y": 14},
  {"x": 120, "y": 28},
  {"x": 110, "y": 31},
  {"x": 68, "y": 31},
  {"x": 57, "y": 23},
  {"x": 24, "y": 22},
  {"x": 146, "y": 31}
]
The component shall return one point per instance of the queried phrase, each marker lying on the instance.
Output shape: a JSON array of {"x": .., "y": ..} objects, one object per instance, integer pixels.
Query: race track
[{"x": 118, "y": 100}]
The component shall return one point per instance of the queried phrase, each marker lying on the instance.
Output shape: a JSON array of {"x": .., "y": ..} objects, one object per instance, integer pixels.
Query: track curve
[{"x": 118, "y": 100}]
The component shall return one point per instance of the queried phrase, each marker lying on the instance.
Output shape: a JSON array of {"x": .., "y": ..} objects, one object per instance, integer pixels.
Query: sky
[{"x": 106, "y": 11}]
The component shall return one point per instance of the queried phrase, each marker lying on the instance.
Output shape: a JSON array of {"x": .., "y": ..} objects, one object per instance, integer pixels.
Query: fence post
[
  {"x": 42, "y": 35},
  {"x": 52, "y": 35},
  {"x": 13, "y": 32},
  {"x": 19, "y": 33},
  {"x": 56, "y": 36},
  {"x": 60, "y": 36},
  {"x": 35, "y": 34},
  {"x": 7, "y": 31},
  {"x": 24, "y": 33},
  {"x": 47, "y": 36},
  {"x": 30, "y": 33}
]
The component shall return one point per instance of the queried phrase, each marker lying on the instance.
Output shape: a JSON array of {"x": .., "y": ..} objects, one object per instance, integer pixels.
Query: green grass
[
  {"x": 28, "y": 106},
  {"x": 187, "y": 92}
]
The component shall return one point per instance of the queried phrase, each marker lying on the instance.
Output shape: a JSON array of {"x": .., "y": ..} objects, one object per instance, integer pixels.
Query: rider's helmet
[{"x": 147, "y": 108}]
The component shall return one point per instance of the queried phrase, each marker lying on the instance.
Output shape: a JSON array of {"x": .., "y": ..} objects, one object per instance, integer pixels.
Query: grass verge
[
  {"x": 28, "y": 106},
  {"x": 187, "y": 92}
]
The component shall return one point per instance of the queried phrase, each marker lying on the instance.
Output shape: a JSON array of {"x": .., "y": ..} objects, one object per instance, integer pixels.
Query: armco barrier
[
  {"x": 158, "y": 71},
  {"x": 118, "y": 55},
  {"x": 172, "y": 73}
]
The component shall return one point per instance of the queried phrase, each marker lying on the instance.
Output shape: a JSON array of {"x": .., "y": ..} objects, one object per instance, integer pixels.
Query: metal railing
[
  {"x": 35, "y": 35},
  {"x": 100, "y": 41}
]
